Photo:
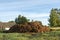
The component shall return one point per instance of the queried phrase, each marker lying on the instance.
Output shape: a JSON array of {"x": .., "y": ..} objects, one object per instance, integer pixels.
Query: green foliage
[
  {"x": 21, "y": 19},
  {"x": 10, "y": 21},
  {"x": 31, "y": 36},
  {"x": 54, "y": 18}
]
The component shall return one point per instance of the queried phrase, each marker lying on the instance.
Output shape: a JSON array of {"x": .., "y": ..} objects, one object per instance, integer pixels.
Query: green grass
[{"x": 28, "y": 36}]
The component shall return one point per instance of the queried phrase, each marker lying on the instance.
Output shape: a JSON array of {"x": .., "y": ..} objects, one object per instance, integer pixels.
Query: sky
[{"x": 32, "y": 9}]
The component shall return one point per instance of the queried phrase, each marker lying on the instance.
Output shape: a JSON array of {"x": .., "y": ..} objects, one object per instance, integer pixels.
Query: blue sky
[{"x": 32, "y": 9}]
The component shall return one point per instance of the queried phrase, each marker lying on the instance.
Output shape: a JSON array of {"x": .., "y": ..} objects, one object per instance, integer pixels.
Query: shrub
[{"x": 21, "y": 19}]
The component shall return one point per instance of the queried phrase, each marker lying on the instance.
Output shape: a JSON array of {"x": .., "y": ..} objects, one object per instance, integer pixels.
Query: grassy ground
[{"x": 27, "y": 36}]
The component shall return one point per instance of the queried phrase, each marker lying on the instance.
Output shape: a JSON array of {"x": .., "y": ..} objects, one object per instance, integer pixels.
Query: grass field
[{"x": 28, "y": 36}]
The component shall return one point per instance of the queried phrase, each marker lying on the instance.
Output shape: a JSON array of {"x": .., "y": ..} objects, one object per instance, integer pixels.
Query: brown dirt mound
[{"x": 29, "y": 27}]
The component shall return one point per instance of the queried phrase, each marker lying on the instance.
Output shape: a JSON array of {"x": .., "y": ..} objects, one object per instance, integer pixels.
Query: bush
[{"x": 21, "y": 20}]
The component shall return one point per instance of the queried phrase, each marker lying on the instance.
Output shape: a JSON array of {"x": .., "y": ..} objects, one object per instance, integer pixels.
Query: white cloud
[
  {"x": 34, "y": 15},
  {"x": 25, "y": 4},
  {"x": 27, "y": 14}
]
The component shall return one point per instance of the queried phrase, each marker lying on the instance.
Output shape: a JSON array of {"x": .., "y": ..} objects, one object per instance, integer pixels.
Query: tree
[
  {"x": 21, "y": 19},
  {"x": 11, "y": 22},
  {"x": 54, "y": 18}
]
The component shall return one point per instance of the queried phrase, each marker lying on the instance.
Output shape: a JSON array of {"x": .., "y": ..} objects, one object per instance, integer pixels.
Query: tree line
[{"x": 54, "y": 20}]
